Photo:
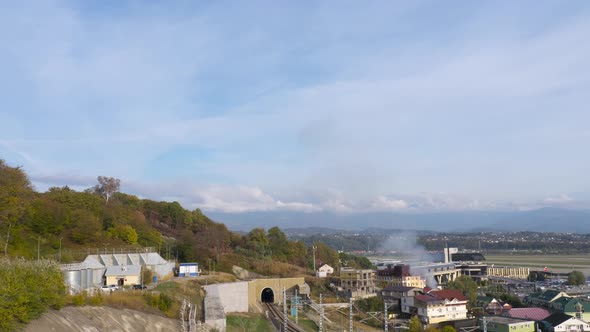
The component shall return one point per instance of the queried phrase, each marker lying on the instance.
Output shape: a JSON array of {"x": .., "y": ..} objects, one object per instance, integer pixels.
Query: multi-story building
[
  {"x": 399, "y": 275},
  {"x": 358, "y": 283},
  {"x": 509, "y": 272},
  {"x": 436, "y": 306},
  {"x": 392, "y": 295},
  {"x": 435, "y": 273}
]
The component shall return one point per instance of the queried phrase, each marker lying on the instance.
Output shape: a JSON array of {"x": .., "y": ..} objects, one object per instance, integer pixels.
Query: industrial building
[{"x": 92, "y": 272}]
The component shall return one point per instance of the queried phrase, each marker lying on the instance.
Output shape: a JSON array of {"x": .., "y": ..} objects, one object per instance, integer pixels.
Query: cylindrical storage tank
[
  {"x": 87, "y": 279},
  {"x": 72, "y": 279},
  {"x": 83, "y": 284},
  {"x": 97, "y": 276}
]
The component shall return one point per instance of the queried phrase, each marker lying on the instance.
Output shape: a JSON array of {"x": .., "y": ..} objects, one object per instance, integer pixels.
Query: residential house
[
  {"x": 324, "y": 270},
  {"x": 491, "y": 305},
  {"x": 544, "y": 298},
  {"x": 506, "y": 324},
  {"x": 572, "y": 306},
  {"x": 436, "y": 306},
  {"x": 560, "y": 322}
]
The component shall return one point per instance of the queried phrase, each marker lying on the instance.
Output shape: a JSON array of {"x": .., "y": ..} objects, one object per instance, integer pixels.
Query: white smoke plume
[{"x": 406, "y": 246}]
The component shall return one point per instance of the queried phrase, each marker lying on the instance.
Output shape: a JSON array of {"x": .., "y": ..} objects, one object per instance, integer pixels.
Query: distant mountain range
[{"x": 541, "y": 220}]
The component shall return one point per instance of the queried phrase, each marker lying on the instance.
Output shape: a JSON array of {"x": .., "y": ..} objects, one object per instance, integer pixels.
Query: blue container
[{"x": 155, "y": 279}]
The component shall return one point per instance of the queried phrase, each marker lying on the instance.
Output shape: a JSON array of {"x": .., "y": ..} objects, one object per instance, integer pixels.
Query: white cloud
[
  {"x": 384, "y": 203},
  {"x": 561, "y": 199}
]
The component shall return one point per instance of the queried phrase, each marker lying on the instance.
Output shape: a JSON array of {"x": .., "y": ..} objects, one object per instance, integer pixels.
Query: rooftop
[
  {"x": 449, "y": 294},
  {"x": 528, "y": 313},
  {"x": 557, "y": 318},
  {"x": 123, "y": 270},
  {"x": 398, "y": 288}
]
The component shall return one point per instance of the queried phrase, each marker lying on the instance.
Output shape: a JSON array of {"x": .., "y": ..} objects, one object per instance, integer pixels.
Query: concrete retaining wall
[{"x": 233, "y": 296}]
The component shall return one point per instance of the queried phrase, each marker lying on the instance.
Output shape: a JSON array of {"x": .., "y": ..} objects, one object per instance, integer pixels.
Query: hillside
[
  {"x": 64, "y": 224},
  {"x": 40, "y": 229}
]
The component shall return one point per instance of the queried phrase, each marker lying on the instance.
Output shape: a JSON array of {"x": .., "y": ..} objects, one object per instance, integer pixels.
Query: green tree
[
  {"x": 278, "y": 243},
  {"x": 86, "y": 226},
  {"x": 448, "y": 328},
  {"x": 414, "y": 325},
  {"x": 466, "y": 285},
  {"x": 128, "y": 234},
  {"x": 258, "y": 241},
  {"x": 576, "y": 278}
]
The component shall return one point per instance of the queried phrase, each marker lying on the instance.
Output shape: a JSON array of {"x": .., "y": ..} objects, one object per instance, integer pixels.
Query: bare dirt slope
[{"x": 95, "y": 319}]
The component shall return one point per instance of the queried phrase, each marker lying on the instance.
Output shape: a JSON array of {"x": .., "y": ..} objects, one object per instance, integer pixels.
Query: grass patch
[
  {"x": 308, "y": 325},
  {"x": 247, "y": 323}
]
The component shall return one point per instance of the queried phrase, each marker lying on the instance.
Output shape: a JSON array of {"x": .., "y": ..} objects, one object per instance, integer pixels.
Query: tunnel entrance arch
[{"x": 267, "y": 296}]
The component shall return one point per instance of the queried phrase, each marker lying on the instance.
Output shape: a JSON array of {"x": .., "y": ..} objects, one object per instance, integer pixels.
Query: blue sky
[{"x": 307, "y": 106}]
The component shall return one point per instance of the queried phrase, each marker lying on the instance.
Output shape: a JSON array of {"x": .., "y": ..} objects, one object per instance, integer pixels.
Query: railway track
[{"x": 277, "y": 319}]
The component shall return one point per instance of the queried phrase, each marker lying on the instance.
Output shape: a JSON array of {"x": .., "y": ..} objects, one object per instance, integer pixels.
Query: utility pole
[
  {"x": 296, "y": 303},
  {"x": 321, "y": 323},
  {"x": 314, "y": 248},
  {"x": 350, "y": 314},
  {"x": 385, "y": 327},
  {"x": 285, "y": 317}
]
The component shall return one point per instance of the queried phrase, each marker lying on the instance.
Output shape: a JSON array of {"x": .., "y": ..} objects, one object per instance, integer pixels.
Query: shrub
[
  {"x": 28, "y": 289},
  {"x": 164, "y": 302},
  {"x": 79, "y": 299}
]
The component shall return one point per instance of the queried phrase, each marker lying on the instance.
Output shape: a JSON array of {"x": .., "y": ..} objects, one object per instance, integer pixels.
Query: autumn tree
[
  {"x": 15, "y": 192},
  {"x": 106, "y": 187}
]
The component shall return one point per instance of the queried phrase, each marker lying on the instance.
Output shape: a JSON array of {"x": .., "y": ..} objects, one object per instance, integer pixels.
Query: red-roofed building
[
  {"x": 437, "y": 306},
  {"x": 536, "y": 314}
]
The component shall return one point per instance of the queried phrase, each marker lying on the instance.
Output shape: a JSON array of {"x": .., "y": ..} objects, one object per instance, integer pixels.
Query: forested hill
[{"x": 102, "y": 218}]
